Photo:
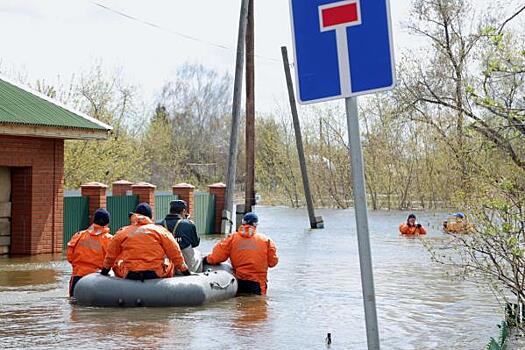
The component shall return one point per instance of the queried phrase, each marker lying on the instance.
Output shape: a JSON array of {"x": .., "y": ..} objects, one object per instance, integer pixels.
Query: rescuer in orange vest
[
  {"x": 411, "y": 227},
  {"x": 142, "y": 247},
  {"x": 86, "y": 249},
  {"x": 250, "y": 253},
  {"x": 460, "y": 225}
]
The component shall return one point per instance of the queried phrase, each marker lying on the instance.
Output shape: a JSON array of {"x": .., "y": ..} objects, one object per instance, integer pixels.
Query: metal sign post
[
  {"x": 361, "y": 218},
  {"x": 344, "y": 49}
]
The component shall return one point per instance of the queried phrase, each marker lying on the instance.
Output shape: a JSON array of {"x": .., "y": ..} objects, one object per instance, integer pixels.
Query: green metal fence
[
  {"x": 162, "y": 205},
  {"x": 76, "y": 216},
  {"x": 119, "y": 207},
  {"x": 76, "y": 212},
  {"x": 204, "y": 212}
]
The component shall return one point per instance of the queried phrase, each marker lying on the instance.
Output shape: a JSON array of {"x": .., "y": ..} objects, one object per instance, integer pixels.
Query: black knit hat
[
  {"x": 177, "y": 206},
  {"x": 411, "y": 216},
  {"x": 144, "y": 209},
  {"x": 101, "y": 217}
]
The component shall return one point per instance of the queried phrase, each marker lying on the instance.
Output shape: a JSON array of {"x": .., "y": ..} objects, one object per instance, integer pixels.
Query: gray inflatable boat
[{"x": 215, "y": 284}]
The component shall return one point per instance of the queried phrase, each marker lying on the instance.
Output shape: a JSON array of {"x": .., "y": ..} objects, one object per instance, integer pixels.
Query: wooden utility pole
[
  {"x": 249, "y": 195},
  {"x": 315, "y": 222},
  {"x": 226, "y": 224}
]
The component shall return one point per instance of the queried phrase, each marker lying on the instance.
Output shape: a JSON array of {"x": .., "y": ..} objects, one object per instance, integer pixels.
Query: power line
[{"x": 180, "y": 34}]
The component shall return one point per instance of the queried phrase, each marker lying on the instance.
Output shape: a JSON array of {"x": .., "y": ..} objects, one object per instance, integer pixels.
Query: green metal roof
[{"x": 19, "y": 105}]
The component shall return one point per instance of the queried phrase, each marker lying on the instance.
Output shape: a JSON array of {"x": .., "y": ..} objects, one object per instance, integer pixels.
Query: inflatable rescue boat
[{"x": 216, "y": 283}]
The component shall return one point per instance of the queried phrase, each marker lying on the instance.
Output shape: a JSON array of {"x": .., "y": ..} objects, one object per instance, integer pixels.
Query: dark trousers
[
  {"x": 248, "y": 287},
  {"x": 72, "y": 283},
  {"x": 141, "y": 275}
]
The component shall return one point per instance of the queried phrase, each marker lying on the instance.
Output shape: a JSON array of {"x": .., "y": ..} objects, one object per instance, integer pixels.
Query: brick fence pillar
[
  {"x": 219, "y": 190},
  {"x": 121, "y": 188},
  {"x": 96, "y": 192},
  {"x": 185, "y": 192},
  {"x": 146, "y": 193}
]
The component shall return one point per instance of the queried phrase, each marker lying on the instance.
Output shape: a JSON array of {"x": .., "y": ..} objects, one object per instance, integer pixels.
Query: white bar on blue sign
[{"x": 344, "y": 62}]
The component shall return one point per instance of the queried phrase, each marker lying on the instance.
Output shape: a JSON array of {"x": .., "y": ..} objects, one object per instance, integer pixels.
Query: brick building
[{"x": 33, "y": 128}]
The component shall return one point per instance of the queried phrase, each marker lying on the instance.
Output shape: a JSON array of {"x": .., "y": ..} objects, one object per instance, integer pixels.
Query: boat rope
[{"x": 217, "y": 285}]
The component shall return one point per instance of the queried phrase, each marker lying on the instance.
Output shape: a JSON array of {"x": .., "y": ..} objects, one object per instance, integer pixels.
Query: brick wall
[
  {"x": 146, "y": 193},
  {"x": 219, "y": 191},
  {"x": 37, "y": 178},
  {"x": 185, "y": 192},
  {"x": 96, "y": 192}
]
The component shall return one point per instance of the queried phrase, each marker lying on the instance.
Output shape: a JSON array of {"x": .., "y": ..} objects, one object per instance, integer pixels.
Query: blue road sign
[{"x": 342, "y": 48}]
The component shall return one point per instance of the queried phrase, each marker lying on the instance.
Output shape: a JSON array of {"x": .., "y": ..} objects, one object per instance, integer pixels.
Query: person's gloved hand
[
  {"x": 205, "y": 260},
  {"x": 186, "y": 273},
  {"x": 104, "y": 272},
  {"x": 418, "y": 225}
]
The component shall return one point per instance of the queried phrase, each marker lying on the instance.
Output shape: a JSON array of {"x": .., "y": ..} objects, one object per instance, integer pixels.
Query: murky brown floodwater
[{"x": 314, "y": 290}]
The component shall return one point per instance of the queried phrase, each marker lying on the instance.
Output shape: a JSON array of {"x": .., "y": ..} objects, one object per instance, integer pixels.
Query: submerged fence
[
  {"x": 204, "y": 212},
  {"x": 76, "y": 216},
  {"x": 162, "y": 205},
  {"x": 119, "y": 208},
  {"x": 76, "y": 212}
]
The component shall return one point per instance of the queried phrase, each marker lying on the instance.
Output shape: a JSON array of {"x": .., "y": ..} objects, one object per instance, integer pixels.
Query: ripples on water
[{"x": 314, "y": 290}]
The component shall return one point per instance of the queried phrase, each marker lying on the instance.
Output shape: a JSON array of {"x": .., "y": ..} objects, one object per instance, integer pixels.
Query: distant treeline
[{"x": 452, "y": 128}]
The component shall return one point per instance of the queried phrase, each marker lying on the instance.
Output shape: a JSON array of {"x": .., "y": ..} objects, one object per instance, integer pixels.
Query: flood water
[{"x": 314, "y": 290}]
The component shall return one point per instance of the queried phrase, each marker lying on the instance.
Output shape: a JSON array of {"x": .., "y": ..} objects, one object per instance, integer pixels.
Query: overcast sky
[{"x": 46, "y": 39}]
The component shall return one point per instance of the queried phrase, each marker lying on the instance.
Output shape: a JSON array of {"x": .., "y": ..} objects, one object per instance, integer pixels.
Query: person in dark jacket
[{"x": 185, "y": 233}]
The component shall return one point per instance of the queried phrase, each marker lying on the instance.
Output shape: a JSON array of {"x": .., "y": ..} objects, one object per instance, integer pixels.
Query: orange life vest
[
  {"x": 250, "y": 253},
  {"x": 458, "y": 227},
  {"x": 142, "y": 246},
  {"x": 404, "y": 229},
  {"x": 86, "y": 249}
]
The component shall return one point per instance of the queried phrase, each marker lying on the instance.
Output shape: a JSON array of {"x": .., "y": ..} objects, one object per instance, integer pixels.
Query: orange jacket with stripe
[
  {"x": 142, "y": 246},
  {"x": 404, "y": 229},
  {"x": 86, "y": 249},
  {"x": 250, "y": 253}
]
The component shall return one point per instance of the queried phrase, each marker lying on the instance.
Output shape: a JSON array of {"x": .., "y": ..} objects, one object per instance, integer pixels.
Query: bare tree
[{"x": 197, "y": 102}]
